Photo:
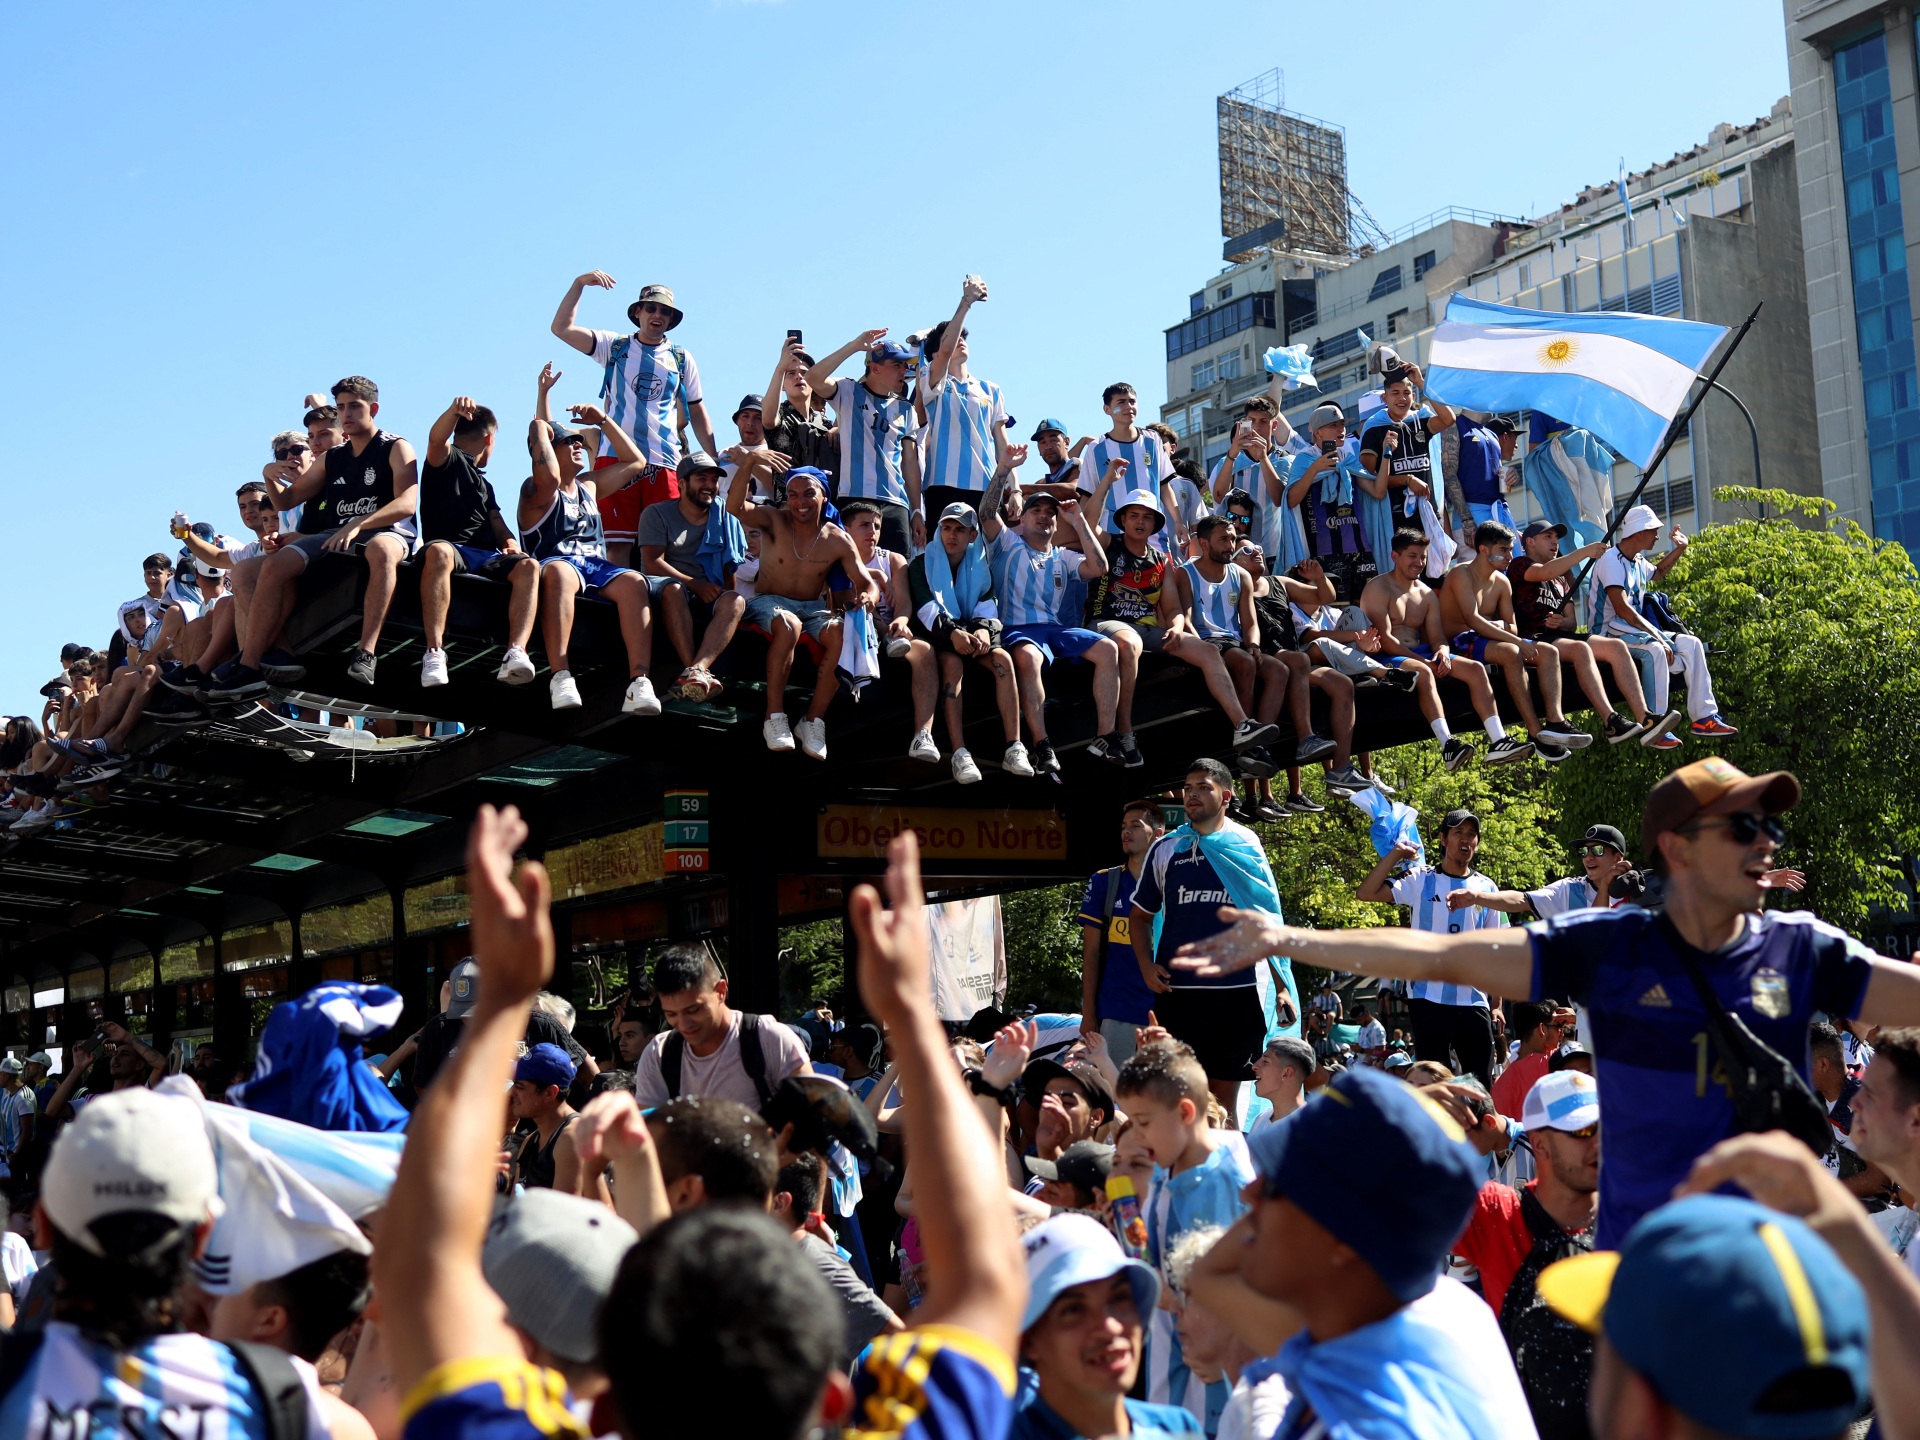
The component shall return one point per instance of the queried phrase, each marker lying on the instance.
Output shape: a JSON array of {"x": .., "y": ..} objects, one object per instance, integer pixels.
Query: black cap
[
  {"x": 1039, "y": 1073},
  {"x": 1499, "y": 426},
  {"x": 1038, "y": 497},
  {"x": 1085, "y": 1163},
  {"x": 1569, "y": 1051},
  {"x": 747, "y": 402},
  {"x": 1543, "y": 527},
  {"x": 73, "y": 650},
  {"x": 563, "y": 437},
  {"x": 1605, "y": 835},
  {"x": 1455, "y": 818}
]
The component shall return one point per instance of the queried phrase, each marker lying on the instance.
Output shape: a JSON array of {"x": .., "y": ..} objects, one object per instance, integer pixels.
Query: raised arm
[
  {"x": 820, "y": 374},
  {"x": 740, "y": 504},
  {"x": 1666, "y": 561},
  {"x": 437, "y": 1307},
  {"x": 990, "y": 522},
  {"x": 770, "y": 402},
  {"x": 977, "y": 1275},
  {"x": 971, "y": 289},
  {"x": 1561, "y": 564},
  {"x": 1093, "y": 555},
  {"x": 1443, "y": 415},
  {"x": 81, "y": 1059},
  {"x": 441, "y": 435},
  {"x": 578, "y": 336},
  {"x": 611, "y": 1130},
  {"x": 1892, "y": 998},
  {"x": 1374, "y": 888}
]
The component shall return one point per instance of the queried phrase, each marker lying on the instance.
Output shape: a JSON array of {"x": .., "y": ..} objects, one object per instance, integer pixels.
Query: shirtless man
[
  {"x": 1406, "y": 612},
  {"x": 1476, "y": 609},
  {"x": 797, "y": 550},
  {"x": 560, "y": 526}
]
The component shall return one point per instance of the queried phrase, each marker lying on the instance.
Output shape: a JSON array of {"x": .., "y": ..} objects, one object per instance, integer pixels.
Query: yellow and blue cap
[{"x": 1740, "y": 1317}]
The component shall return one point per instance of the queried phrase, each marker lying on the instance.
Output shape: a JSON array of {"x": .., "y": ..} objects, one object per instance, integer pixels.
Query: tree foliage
[{"x": 1814, "y": 638}]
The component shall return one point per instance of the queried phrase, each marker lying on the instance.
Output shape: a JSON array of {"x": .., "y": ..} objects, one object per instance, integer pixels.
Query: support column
[
  {"x": 302, "y": 973},
  {"x": 231, "y": 1042},
  {"x": 753, "y": 935}
]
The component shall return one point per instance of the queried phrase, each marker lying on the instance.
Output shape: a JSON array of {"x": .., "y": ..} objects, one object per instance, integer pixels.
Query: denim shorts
[{"x": 815, "y": 615}]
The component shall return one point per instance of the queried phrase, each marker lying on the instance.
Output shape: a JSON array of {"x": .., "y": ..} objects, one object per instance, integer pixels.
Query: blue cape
[{"x": 310, "y": 1068}]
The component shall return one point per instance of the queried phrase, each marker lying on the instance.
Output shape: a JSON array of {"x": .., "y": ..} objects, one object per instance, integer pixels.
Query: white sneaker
[
  {"x": 964, "y": 770},
  {"x": 433, "y": 668},
  {"x": 777, "y": 733},
  {"x": 813, "y": 738},
  {"x": 566, "y": 694},
  {"x": 640, "y": 698},
  {"x": 1015, "y": 761},
  {"x": 515, "y": 667},
  {"x": 923, "y": 748}
]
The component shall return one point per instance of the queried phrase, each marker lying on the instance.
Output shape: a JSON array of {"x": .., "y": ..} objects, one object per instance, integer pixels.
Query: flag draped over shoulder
[
  {"x": 1240, "y": 862},
  {"x": 310, "y": 1068},
  {"x": 1622, "y": 376}
]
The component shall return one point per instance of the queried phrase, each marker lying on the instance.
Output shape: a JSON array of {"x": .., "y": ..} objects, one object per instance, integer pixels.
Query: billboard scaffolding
[{"x": 1283, "y": 177}]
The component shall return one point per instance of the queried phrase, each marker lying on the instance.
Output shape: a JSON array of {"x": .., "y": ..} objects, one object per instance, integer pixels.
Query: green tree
[{"x": 1814, "y": 631}]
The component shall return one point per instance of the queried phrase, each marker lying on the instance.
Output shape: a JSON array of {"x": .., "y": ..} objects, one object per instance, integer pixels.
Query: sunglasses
[
  {"x": 653, "y": 307},
  {"x": 1586, "y": 1134},
  {"x": 1745, "y": 827},
  {"x": 1594, "y": 852}
]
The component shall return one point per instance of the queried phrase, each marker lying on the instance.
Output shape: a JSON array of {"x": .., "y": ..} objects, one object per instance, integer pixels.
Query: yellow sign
[
  {"x": 861, "y": 832},
  {"x": 609, "y": 862}
]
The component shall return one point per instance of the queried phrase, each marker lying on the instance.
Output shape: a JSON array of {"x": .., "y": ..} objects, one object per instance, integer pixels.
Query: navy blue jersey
[
  {"x": 1662, "y": 1095},
  {"x": 1182, "y": 887}
]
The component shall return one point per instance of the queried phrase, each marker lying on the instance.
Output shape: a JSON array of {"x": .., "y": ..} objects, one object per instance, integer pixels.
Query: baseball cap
[
  {"x": 563, "y": 437},
  {"x": 889, "y": 350},
  {"x": 1638, "y": 520},
  {"x": 1742, "y": 1318},
  {"x": 12, "y": 1066},
  {"x": 1035, "y": 1078},
  {"x": 545, "y": 1254},
  {"x": 1085, "y": 1163},
  {"x": 40, "y": 1057},
  {"x": 1327, "y": 414},
  {"x": 1145, "y": 499},
  {"x": 1058, "y": 428},
  {"x": 1399, "y": 1060},
  {"x": 1569, "y": 1050},
  {"x": 1038, "y": 498},
  {"x": 1564, "y": 1100},
  {"x": 1383, "y": 1168},
  {"x": 963, "y": 512},
  {"x": 1071, "y": 1250},
  {"x": 546, "y": 1064},
  {"x": 1543, "y": 527},
  {"x": 1455, "y": 818},
  {"x": 1712, "y": 787},
  {"x": 695, "y": 461},
  {"x": 1605, "y": 835},
  {"x": 1500, "y": 425},
  {"x": 463, "y": 988},
  {"x": 130, "y": 1152}
]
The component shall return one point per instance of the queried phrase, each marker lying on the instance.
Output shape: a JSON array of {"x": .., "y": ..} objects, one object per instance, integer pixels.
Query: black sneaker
[
  {"x": 1312, "y": 748},
  {"x": 1455, "y": 753},
  {"x": 1240, "y": 813},
  {"x": 1301, "y": 805},
  {"x": 1270, "y": 811},
  {"x": 1619, "y": 727},
  {"x": 1255, "y": 763},
  {"x": 1551, "y": 753},
  {"x": 234, "y": 681},
  {"x": 1251, "y": 732},
  {"x": 1507, "y": 749},
  {"x": 1401, "y": 679},
  {"x": 282, "y": 667},
  {"x": 183, "y": 679},
  {"x": 1045, "y": 762},
  {"x": 174, "y": 710},
  {"x": 360, "y": 668},
  {"x": 1130, "y": 752}
]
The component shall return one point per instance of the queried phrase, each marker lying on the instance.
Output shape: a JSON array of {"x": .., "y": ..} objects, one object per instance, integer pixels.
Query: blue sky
[{"x": 217, "y": 208}]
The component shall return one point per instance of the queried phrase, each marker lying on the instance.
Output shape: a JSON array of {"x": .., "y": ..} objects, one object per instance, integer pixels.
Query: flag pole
[{"x": 1673, "y": 434}]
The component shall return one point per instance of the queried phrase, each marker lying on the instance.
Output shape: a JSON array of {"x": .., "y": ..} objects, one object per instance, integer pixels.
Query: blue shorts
[
  {"x": 595, "y": 571},
  {"x": 1470, "y": 643},
  {"x": 1069, "y": 640},
  {"x": 814, "y": 615},
  {"x": 473, "y": 560}
]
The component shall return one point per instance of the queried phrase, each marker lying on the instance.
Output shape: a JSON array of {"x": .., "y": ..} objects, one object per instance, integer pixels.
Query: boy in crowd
[
  {"x": 1148, "y": 464},
  {"x": 1280, "y": 1078},
  {"x": 892, "y": 623},
  {"x": 794, "y": 420},
  {"x": 1114, "y": 998},
  {"x": 1198, "y": 1178},
  {"x": 1476, "y": 608},
  {"x": 1032, "y": 600},
  {"x": 874, "y": 417},
  {"x": 562, "y": 524},
  {"x": 954, "y": 610},
  {"x": 966, "y": 426},
  {"x": 1405, "y": 612},
  {"x": 464, "y": 534},
  {"x": 1393, "y": 449},
  {"x": 1320, "y": 487},
  {"x": 686, "y": 576},
  {"x": 649, "y": 383},
  {"x": 801, "y": 550}
]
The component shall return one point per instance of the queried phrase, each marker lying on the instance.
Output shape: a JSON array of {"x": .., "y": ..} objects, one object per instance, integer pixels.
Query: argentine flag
[{"x": 1622, "y": 376}]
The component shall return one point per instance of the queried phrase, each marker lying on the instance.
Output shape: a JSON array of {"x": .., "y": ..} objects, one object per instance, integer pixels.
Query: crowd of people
[
  {"x": 889, "y": 523},
  {"x": 1189, "y": 1209}
]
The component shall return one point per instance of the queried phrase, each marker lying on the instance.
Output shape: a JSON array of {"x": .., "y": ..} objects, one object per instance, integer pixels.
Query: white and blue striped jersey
[
  {"x": 1216, "y": 603},
  {"x": 871, "y": 428},
  {"x": 571, "y": 526},
  {"x": 1147, "y": 465},
  {"x": 957, "y": 447},
  {"x": 1424, "y": 890},
  {"x": 1033, "y": 582},
  {"x": 75, "y": 1388},
  {"x": 640, "y": 390}
]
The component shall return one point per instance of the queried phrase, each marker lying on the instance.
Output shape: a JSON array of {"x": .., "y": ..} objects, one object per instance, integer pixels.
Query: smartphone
[
  {"x": 1329, "y": 447},
  {"x": 793, "y": 338}
]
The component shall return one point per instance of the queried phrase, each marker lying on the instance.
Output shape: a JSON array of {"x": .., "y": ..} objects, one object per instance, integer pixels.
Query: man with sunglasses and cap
[
  {"x": 1602, "y": 853},
  {"x": 1621, "y": 578},
  {"x": 1059, "y": 454},
  {"x": 649, "y": 382},
  {"x": 874, "y": 416},
  {"x": 1712, "y": 832}
]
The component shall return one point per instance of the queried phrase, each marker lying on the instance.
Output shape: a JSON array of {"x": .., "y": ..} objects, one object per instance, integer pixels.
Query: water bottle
[{"x": 1128, "y": 1223}]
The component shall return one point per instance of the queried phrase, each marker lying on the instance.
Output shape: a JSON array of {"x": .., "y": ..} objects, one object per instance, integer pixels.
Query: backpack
[
  {"x": 282, "y": 1394},
  {"x": 753, "y": 1059}
]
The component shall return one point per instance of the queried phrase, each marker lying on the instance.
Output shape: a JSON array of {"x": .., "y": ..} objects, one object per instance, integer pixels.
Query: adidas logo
[{"x": 1657, "y": 997}]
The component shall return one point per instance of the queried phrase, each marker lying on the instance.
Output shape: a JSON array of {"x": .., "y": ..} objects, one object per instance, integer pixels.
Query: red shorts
[{"x": 620, "y": 511}]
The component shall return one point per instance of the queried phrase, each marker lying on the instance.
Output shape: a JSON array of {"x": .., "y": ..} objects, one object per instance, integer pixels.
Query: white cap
[
  {"x": 1146, "y": 500},
  {"x": 1564, "y": 1100},
  {"x": 1639, "y": 518},
  {"x": 130, "y": 1151}
]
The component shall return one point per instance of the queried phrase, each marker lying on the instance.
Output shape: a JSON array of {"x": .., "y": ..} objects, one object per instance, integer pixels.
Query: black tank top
[{"x": 358, "y": 485}]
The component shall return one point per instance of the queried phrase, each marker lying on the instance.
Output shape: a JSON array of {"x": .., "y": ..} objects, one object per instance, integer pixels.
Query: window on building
[
  {"x": 1225, "y": 292},
  {"x": 1202, "y": 375},
  {"x": 1385, "y": 283},
  {"x": 1209, "y": 327},
  {"x": 1424, "y": 262},
  {"x": 1177, "y": 422},
  {"x": 1396, "y": 320},
  {"x": 1228, "y": 367}
]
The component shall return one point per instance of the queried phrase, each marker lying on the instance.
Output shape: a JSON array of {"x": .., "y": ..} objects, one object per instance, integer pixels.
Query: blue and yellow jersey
[
  {"x": 494, "y": 1397},
  {"x": 934, "y": 1383}
]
